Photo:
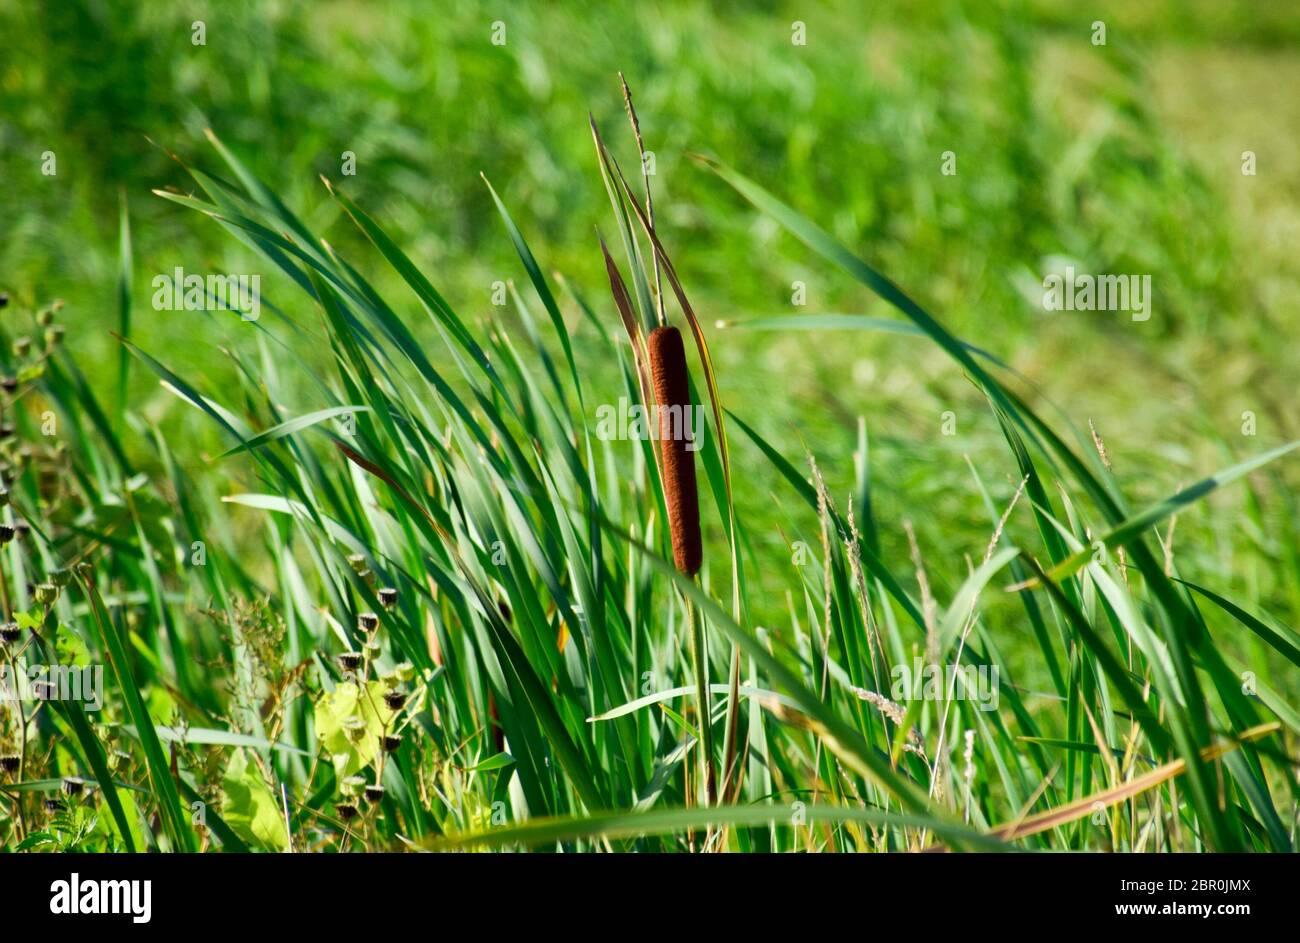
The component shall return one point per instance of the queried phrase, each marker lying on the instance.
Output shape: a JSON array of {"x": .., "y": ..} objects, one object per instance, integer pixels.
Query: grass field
[{"x": 373, "y": 570}]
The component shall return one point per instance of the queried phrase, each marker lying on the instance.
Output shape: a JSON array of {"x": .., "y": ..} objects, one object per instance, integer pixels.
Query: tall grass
[{"x": 542, "y": 673}]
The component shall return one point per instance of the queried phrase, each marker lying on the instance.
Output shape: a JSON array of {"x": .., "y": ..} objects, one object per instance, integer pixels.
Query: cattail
[{"x": 673, "y": 397}]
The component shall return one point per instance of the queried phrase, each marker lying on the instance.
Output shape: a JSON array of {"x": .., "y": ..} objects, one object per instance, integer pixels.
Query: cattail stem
[
  {"x": 681, "y": 496},
  {"x": 700, "y": 662}
]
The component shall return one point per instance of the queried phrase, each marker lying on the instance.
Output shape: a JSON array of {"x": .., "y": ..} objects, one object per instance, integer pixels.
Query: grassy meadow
[{"x": 376, "y": 559}]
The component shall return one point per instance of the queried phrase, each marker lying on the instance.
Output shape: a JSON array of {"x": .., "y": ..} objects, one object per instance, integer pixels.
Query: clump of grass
[{"x": 538, "y": 647}]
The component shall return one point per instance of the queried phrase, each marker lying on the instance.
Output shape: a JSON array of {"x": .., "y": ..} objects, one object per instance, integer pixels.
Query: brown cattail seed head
[
  {"x": 388, "y": 597},
  {"x": 673, "y": 401}
]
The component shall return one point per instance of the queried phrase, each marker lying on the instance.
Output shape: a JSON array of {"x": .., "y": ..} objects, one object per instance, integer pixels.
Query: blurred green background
[{"x": 1125, "y": 158}]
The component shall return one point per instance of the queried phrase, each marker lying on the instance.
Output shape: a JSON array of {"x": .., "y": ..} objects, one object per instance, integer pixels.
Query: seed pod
[
  {"x": 85, "y": 569},
  {"x": 7, "y": 533},
  {"x": 392, "y": 744},
  {"x": 10, "y": 763},
  {"x": 53, "y": 805},
  {"x": 346, "y": 811},
  {"x": 9, "y": 383},
  {"x": 46, "y": 594},
  {"x": 350, "y": 661},
  {"x": 388, "y": 597},
  {"x": 72, "y": 786},
  {"x": 395, "y": 700},
  {"x": 21, "y": 346},
  {"x": 45, "y": 318},
  {"x": 673, "y": 399},
  {"x": 353, "y": 785},
  {"x": 374, "y": 793},
  {"x": 10, "y": 633},
  {"x": 60, "y": 577},
  {"x": 405, "y": 671},
  {"x": 367, "y": 621},
  {"x": 357, "y": 562}
]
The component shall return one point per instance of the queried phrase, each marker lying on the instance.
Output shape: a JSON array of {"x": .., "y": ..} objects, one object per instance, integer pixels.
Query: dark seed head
[
  {"x": 10, "y": 383},
  {"x": 672, "y": 390},
  {"x": 395, "y": 700},
  {"x": 10, "y": 763},
  {"x": 10, "y": 633},
  {"x": 374, "y": 793},
  {"x": 388, "y": 597},
  {"x": 71, "y": 786},
  {"x": 350, "y": 661},
  {"x": 367, "y": 621},
  {"x": 53, "y": 805},
  {"x": 346, "y": 811},
  {"x": 392, "y": 744},
  {"x": 22, "y": 528}
]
